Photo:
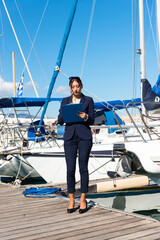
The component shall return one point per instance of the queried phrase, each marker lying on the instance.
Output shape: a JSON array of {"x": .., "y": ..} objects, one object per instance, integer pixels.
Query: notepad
[{"x": 70, "y": 112}]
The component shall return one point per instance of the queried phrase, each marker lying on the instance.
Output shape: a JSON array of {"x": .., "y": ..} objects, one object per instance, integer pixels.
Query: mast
[
  {"x": 14, "y": 78},
  {"x": 59, "y": 59},
  {"x": 20, "y": 48},
  {"x": 142, "y": 47},
  {"x": 142, "y": 40},
  {"x": 14, "y": 75}
]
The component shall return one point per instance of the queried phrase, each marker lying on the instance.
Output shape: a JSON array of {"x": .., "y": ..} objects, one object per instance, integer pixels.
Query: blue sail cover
[
  {"x": 156, "y": 87},
  {"x": 149, "y": 96},
  {"x": 23, "y": 102},
  {"x": 111, "y": 120},
  {"x": 39, "y": 102},
  {"x": 116, "y": 104}
]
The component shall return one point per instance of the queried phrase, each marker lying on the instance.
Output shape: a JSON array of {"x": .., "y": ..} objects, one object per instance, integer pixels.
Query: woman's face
[{"x": 76, "y": 89}]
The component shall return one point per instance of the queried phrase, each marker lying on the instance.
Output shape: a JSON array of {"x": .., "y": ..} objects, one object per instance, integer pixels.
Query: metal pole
[
  {"x": 59, "y": 59},
  {"x": 20, "y": 48},
  {"x": 142, "y": 40},
  {"x": 14, "y": 76},
  {"x": 142, "y": 48}
]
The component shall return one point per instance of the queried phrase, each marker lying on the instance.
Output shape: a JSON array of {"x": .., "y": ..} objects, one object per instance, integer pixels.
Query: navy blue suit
[
  {"x": 82, "y": 128},
  {"x": 78, "y": 139}
]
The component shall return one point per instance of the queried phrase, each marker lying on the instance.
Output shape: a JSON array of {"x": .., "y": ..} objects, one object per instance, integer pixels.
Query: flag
[{"x": 20, "y": 87}]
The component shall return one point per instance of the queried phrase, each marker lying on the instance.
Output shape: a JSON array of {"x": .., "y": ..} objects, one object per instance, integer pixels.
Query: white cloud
[
  {"x": 28, "y": 85},
  {"x": 63, "y": 90},
  {"x": 6, "y": 88}
]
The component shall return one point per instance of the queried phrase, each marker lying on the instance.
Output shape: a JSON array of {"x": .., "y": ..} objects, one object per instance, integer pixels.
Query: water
[
  {"x": 140, "y": 201},
  {"x": 154, "y": 213}
]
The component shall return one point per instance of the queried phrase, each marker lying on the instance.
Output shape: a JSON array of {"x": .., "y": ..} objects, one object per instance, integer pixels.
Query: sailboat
[
  {"x": 143, "y": 155},
  {"x": 15, "y": 160},
  {"x": 132, "y": 148},
  {"x": 19, "y": 138}
]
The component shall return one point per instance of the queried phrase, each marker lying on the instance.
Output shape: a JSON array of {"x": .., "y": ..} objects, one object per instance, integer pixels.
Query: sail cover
[
  {"x": 156, "y": 87},
  {"x": 150, "y": 98},
  {"x": 23, "y": 102},
  {"x": 39, "y": 102},
  {"x": 116, "y": 104}
]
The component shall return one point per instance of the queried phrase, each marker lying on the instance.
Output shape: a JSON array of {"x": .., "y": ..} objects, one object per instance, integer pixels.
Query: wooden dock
[{"x": 46, "y": 218}]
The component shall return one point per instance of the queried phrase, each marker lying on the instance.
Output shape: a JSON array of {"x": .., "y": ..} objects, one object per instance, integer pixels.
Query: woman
[{"x": 78, "y": 138}]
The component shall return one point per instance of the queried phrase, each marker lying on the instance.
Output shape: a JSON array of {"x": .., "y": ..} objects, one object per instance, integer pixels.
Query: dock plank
[
  {"x": 151, "y": 236},
  {"x": 46, "y": 218}
]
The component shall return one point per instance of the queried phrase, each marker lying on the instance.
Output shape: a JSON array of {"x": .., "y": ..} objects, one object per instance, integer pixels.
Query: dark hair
[{"x": 77, "y": 79}]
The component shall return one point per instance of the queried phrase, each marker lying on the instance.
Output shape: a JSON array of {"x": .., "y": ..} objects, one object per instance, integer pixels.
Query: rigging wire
[
  {"x": 84, "y": 57},
  {"x": 88, "y": 35},
  {"x": 158, "y": 31},
  {"x": 100, "y": 100},
  {"x": 32, "y": 43},
  {"x": 1, "y": 66},
  {"x": 20, "y": 47},
  {"x": 151, "y": 27}
]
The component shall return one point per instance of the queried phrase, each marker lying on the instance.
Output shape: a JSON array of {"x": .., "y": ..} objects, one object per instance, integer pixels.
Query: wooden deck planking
[
  {"x": 109, "y": 232},
  {"x": 46, "y": 218},
  {"x": 151, "y": 236},
  {"x": 91, "y": 231}
]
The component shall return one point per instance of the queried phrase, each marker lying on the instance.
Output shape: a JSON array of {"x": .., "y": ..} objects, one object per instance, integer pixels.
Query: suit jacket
[{"x": 82, "y": 128}]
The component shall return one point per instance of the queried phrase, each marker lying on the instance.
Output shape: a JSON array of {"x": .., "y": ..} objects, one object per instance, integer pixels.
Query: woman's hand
[
  {"x": 55, "y": 122},
  {"x": 83, "y": 115}
]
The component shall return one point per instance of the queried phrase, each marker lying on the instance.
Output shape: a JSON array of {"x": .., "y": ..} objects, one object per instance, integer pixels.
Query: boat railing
[
  {"x": 145, "y": 127},
  {"x": 20, "y": 135},
  {"x": 145, "y": 120},
  {"x": 15, "y": 131}
]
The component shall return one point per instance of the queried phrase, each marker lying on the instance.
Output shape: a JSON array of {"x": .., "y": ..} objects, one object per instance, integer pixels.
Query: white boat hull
[{"x": 51, "y": 165}]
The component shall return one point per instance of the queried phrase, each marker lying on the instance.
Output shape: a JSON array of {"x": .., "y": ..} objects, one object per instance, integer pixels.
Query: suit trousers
[{"x": 82, "y": 147}]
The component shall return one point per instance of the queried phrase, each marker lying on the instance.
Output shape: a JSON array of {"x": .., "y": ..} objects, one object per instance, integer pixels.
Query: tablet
[{"x": 70, "y": 112}]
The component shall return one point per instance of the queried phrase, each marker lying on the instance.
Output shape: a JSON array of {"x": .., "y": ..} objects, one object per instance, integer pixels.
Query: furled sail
[{"x": 156, "y": 87}]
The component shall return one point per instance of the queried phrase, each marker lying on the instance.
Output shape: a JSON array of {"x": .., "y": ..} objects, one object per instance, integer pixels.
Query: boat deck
[{"x": 46, "y": 218}]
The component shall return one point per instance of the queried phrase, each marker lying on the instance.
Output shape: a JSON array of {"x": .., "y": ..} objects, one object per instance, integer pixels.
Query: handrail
[
  {"x": 134, "y": 121},
  {"x": 123, "y": 132},
  {"x": 135, "y": 125}
]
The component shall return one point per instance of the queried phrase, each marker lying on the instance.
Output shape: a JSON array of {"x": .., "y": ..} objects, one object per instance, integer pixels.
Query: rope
[
  {"x": 19, "y": 168},
  {"x": 58, "y": 69},
  {"x": 88, "y": 34},
  {"x": 34, "y": 37},
  {"x": 41, "y": 192},
  {"x": 96, "y": 169},
  {"x": 154, "y": 41},
  {"x": 1, "y": 66},
  {"x": 92, "y": 94},
  {"x": 20, "y": 48}
]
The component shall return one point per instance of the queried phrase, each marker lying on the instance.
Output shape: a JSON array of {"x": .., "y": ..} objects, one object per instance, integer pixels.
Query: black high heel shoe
[
  {"x": 70, "y": 210},
  {"x": 83, "y": 210}
]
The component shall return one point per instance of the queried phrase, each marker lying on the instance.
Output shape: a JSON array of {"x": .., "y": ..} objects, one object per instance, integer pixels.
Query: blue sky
[{"x": 109, "y": 66}]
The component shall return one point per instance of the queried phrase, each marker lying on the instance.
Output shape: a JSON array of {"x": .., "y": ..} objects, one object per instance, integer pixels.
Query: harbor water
[{"x": 141, "y": 201}]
